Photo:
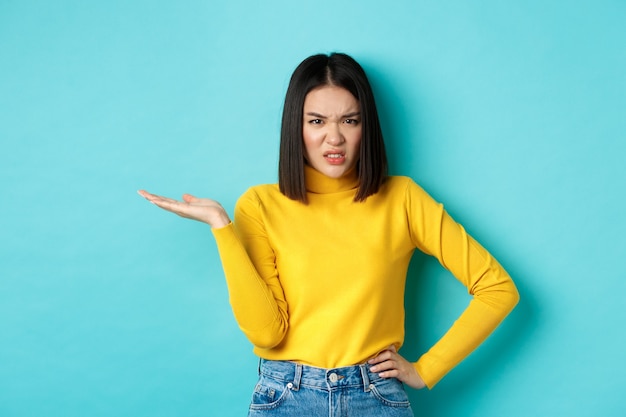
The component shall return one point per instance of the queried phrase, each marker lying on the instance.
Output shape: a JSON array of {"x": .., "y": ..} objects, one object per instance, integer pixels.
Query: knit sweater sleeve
[
  {"x": 493, "y": 293},
  {"x": 255, "y": 293}
]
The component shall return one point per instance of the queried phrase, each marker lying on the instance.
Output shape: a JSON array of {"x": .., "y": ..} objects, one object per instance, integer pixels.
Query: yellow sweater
[{"x": 322, "y": 283}]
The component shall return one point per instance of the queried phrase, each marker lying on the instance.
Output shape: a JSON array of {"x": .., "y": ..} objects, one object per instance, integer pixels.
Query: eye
[
  {"x": 352, "y": 121},
  {"x": 315, "y": 121}
]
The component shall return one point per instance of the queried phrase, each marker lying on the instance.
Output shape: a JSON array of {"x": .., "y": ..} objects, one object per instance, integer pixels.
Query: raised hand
[
  {"x": 201, "y": 209},
  {"x": 389, "y": 364}
]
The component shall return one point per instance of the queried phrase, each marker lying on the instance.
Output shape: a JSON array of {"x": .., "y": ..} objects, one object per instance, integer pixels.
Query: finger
[
  {"x": 384, "y": 355},
  {"x": 391, "y": 373},
  {"x": 174, "y": 206},
  {"x": 152, "y": 197},
  {"x": 385, "y": 366},
  {"x": 160, "y": 198},
  {"x": 144, "y": 193},
  {"x": 381, "y": 357}
]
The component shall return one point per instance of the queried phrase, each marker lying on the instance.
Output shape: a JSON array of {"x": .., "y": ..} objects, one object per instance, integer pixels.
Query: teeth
[{"x": 334, "y": 155}]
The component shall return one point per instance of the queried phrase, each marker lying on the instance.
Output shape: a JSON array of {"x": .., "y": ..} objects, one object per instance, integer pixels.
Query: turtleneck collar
[{"x": 318, "y": 183}]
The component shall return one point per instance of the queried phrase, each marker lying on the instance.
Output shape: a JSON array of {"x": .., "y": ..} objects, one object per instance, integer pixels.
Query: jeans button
[{"x": 333, "y": 377}]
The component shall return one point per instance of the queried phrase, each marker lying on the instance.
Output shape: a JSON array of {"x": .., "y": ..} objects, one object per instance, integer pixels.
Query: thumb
[
  {"x": 393, "y": 348},
  {"x": 188, "y": 198}
]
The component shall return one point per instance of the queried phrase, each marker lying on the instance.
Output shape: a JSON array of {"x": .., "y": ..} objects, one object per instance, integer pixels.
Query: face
[{"x": 331, "y": 130}]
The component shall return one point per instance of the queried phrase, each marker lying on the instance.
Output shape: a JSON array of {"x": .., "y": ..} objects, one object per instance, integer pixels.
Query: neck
[{"x": 318, "y": 183}]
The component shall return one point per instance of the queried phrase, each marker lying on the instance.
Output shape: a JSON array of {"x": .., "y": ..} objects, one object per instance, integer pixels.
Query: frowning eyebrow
[{"x": 321, "y": 116}]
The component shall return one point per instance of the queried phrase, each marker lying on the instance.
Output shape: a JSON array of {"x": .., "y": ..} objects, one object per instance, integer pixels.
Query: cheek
[
  {"x": 308, "y": 144},
  {"x": 310, "y": 139}
]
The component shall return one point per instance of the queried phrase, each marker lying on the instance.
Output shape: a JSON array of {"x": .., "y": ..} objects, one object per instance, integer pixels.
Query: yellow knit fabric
[{"x": 322, "y": 283}]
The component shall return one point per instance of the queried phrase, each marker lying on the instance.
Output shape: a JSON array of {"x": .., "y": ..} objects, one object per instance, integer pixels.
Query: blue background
[{"x": 510, "y": 112}]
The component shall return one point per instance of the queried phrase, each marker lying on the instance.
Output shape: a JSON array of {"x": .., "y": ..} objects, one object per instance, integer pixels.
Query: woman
[{"x": 316, "y": 265}]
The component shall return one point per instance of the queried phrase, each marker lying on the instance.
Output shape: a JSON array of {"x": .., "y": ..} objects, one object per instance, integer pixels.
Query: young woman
[{"x": 316, "y": 265}]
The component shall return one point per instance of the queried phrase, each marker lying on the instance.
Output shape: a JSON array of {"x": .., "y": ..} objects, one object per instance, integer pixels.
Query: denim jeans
[{"x": 290, "y": 389}]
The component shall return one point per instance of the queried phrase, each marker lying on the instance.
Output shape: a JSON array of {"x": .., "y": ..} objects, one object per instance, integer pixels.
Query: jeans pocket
[
  {"x": 269, "y": 394},
  {"x": 390, "y": 392}
]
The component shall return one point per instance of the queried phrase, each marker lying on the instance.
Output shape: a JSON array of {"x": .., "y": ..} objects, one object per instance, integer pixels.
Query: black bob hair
[{"x": 340, "y": 70}]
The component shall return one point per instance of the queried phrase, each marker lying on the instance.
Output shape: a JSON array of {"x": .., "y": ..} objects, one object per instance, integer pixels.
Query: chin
[
  {"x": 330, "y": 171},
  {"x": 335, "y": 173}
]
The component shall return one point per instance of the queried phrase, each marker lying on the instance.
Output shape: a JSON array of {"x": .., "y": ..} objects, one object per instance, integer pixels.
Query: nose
[{"x": 333, "y": 135}]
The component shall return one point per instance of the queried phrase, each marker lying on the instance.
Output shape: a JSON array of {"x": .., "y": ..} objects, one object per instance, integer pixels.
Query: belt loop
[
  {"x": 366, "y": 379},
  {"x": 297, "y": 377}
]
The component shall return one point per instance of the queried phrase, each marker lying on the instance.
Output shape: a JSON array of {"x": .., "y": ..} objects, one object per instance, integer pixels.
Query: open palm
[{"x": 201, "y": 209}]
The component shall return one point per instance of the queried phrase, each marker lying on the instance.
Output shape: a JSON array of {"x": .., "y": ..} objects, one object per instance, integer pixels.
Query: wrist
[{"x": 219, "y": 221}]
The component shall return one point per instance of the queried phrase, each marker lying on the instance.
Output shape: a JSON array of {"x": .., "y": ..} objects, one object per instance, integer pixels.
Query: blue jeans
[{"x": 290, "y": 389}]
